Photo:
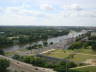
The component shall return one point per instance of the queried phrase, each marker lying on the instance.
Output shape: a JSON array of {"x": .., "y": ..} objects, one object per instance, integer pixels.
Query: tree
[
  {"x": 1, "y": 52},
  {"x": 4, "y": 41},
  {"x": 45, "y": 43},
  {"x": 94, "y": 47},
  {"x": 92, "y": 37},
  {"x": 71, "y": 64},
  {"x": 22, "y": 39},
  {"x": 40, "y": 46},
  {"x": 45, "y": 37},
  {"x": 18, "y": 57},
  {"x": 29, "y": 48},
  {"x": 51, "y": 43},
  {"x": 76, "y": 45},
  {"x": 93, "y": 44},
  {"x": 4, "y": 64}
]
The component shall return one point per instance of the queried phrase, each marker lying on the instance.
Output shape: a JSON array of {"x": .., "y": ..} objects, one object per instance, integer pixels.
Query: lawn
[
  {"x": 59, "y": 53},
  {"x": 89, "y": 69},
  {"x": 81, "y": 58},
  {"x": 77, "y": 57},
  {"x": 15, "y": 52},
  {"x": 87, "y": 51}
]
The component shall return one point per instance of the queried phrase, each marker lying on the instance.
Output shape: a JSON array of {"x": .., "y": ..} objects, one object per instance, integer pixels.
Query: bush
[
  {"x": 3, "y": 65},
  {"x": 1, "y": 52},
  {"x": 76, "y": 45},
  {"x": 37, "y": 61}
]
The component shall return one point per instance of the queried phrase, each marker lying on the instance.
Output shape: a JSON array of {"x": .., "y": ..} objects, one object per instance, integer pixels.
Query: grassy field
[
  {"x": 79, "y": 55},
  {"x": 87, "y": 51},
  {"x": 16, "y": 52},
  {"x": 58, "y": 53},
  {"x": 89, "y": 69}
]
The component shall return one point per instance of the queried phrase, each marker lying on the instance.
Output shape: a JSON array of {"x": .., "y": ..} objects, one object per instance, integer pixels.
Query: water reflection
[{"x": 54, "y": 40}]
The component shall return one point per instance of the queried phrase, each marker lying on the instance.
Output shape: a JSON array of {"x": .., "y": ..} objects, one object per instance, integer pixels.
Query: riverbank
[{"x": 54, "y": 40}]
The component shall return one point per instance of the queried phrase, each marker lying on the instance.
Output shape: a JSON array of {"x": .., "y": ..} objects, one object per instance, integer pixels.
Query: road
[{"x": 21, "y": 66}]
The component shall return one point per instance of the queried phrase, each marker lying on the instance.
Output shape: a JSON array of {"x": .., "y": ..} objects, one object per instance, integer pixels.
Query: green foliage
[
  {"x": 76, "y": 45},
  {"x": 2, "y": 52},
  {"x": 3, "y": 65},
  {"x": 71, "y": 64},
  {"x": 80, "y": 37},
  {"x": 22, "y": 40},
  {"x": 93, "y": 45},
  {"x": 29, "y": 48},
  {"x": 35, "y": 46},
  {"x": 40, "y": 45},
  {"x": 5, "y": 42},
  {"x": 18, "y": 57},
  {"x": 24, "y": 35},
  {"x": 86, "y": 69},
  {"x": 80, "y": 44},
  {"x": 76, "y": 71},
  {"x": 51, "y": 43},
  {"x": 92, "y": 37},
  {"x": 37, "y": 61},
  {"x": 45, "y": 43}
]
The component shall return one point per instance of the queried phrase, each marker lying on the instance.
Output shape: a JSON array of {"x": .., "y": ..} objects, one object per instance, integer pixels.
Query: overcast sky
[{"x": 48, "y": 12}]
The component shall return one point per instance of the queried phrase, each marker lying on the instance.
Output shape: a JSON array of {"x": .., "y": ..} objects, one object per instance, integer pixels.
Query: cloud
[
  {"x": 46, "y": 12},
  {"x": 75, "y": 10},
  {"x": 73, "y": 7},
  {"x": 1, "y": 11},
  {"x": 17, "y": 20},
  {"x": 12, "y": 10},
  {"x": 21, "y": 16},
  {"x": 88, "y": 13},
  {"x": 24, "y": 12},
  {"x": 61, "y": 20},
  {"x": 46, "y": 7},
  {"x": 83, "y": 13}
]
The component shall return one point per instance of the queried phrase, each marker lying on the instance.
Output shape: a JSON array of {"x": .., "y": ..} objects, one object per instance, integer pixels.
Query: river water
[{"x": 54, "y": 40}]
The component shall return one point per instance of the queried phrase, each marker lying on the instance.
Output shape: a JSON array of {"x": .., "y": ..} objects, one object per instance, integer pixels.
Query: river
[{"x": 54, "y": 40}]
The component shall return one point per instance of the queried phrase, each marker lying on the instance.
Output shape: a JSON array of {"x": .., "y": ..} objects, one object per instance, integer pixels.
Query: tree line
[
  {"x": 23, "y": 35},
  {"x": 61, "y": 66}
]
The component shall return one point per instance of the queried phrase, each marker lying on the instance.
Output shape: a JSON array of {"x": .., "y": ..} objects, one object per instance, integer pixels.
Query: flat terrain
[
  {"x": 74, "y": 55},
  {"x": 87, "y": 68}
]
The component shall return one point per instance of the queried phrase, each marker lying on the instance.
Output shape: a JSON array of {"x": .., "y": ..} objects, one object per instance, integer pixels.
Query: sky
[{"x": 48, "y": 12}]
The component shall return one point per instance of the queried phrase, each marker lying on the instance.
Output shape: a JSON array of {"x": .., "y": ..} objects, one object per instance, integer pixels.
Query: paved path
[{"x": 47, "y": 51}]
